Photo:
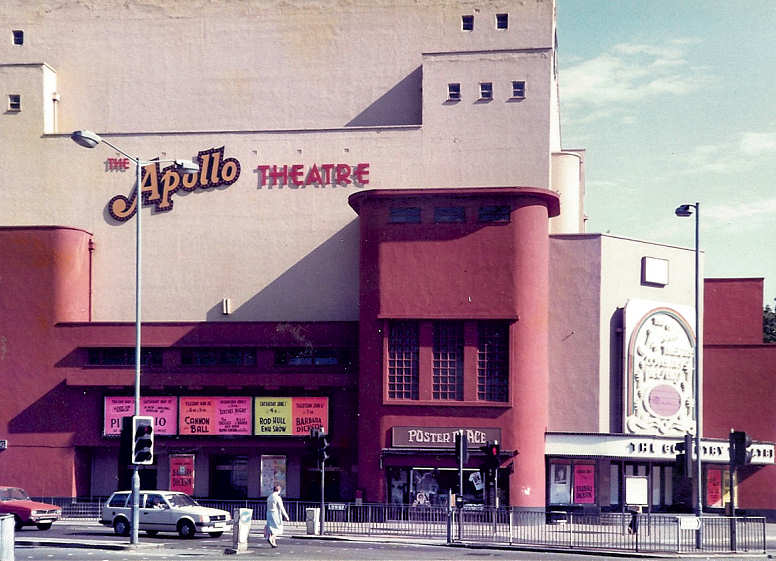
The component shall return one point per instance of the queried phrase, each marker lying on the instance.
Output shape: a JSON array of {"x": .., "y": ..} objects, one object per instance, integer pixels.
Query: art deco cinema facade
[{"x": 385, "y": 238}]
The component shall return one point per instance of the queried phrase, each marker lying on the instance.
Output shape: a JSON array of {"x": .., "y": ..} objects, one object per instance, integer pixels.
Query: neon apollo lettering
[
  {"x": 158, "y": 186},
  {"x": 296, "y": 175}
]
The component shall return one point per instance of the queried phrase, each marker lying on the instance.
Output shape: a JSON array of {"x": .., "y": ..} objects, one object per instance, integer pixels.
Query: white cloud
[
  {"x": 758, "y": 143},
  {"x": 732, "y": 156},
  {"x": 628, "y": 73}
]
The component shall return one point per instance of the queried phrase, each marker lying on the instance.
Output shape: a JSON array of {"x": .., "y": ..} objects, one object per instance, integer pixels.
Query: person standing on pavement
[{"x": 276, "y": 512}]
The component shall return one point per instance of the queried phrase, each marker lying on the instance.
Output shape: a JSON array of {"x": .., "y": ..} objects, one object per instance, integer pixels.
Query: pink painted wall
[{"x": 457, "y": 271}]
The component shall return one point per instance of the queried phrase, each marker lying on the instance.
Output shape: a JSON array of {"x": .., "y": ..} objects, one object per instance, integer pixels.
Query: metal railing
[{"x": 506, "y": 526}]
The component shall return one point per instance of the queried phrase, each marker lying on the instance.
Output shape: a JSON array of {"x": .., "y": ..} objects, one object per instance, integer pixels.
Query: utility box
[
  {"x": 313, "y": 516},
  {"x": 243, "y": 519},
  {"x": 7, "y": 530}
]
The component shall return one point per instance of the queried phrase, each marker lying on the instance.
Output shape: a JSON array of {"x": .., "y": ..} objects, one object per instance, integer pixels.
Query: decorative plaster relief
[{"x": 660, "y": 391}]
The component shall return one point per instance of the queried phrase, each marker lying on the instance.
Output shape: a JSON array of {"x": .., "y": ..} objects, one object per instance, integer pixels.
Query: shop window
[
  {"x": 403, "y": 357},
  {"x": 215, "y": 356},
  {"x": 309, "y": 356},
  {"x": 17, "y": 37},
  {"x": 454, "y": 91},
  {"x": 518, "y": 89},
  {"x": 467, "y": 23},
  {"x": 405, "y": 215},
  {"x": 494, "y": 213},
  {"x": 493, "y": 361},
  {"x": 449, "y": 214},
  {"x": 572, "y": 483},
  {"x": 560, "y": 483},
  {"x": 229, "y": 477},
  {"x": 122, "y": 356},
  {"x": 486, "y": 91},
  {"x": 448, "y": 360},
  {"x": 502, "y": 21},
  {"x": 14, "y": 102}
]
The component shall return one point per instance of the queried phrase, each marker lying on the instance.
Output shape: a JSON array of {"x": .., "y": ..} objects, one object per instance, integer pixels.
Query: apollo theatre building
[{"x": 384, "y": 238}]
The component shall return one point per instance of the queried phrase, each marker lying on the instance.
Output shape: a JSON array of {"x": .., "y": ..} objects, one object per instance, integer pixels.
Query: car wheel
[
  {"x": 151, "y": 532},
  {"x": 216, "y": 534},
  {"x": 17, "y": 523},
  {"x": 121, "y": 526},
  {"x": 186, "y": 529},
  {"x": 43, "y": 525}
]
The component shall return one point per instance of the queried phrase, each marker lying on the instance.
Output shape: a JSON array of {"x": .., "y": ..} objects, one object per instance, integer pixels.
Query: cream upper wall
[
  {"x": 275, "y": 83},
  {"x": 592, "y": 277}
]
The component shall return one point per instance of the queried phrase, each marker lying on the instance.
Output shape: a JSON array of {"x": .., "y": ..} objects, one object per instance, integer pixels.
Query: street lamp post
[
  {"x": 89, "y": 139},
  {"x": 685, "y": 211}
]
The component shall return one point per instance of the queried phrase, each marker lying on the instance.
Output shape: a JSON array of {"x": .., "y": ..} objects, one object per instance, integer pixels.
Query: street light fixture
[
  {"x": 89, "y": 139},
  {"x": 685, "y": 211}
]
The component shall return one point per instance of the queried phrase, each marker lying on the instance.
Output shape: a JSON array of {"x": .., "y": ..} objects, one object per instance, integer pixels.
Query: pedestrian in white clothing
[{"x": 276, "y": 512}]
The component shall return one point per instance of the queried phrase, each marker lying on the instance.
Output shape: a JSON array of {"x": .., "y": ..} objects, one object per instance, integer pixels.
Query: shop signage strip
[
  {"x": 441, "y": 437},
  {"x": 645, "y": 447}
]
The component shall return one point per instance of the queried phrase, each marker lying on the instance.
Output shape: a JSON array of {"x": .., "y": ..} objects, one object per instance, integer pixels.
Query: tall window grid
[
  {"x": 493, "y": 361},
  {"x": 448, "y": 360},
  {"x": 403, "y": 357}
]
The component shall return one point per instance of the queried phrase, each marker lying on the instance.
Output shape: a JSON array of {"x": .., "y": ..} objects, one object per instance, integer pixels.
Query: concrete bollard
[
  {"x": 241, "y": 526},
  {"x": 7, "y": 529}
]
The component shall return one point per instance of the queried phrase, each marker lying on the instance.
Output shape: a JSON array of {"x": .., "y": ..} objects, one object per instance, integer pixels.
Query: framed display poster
[
  {"x": 182, "y": 473},
  {"x": 290, "y": 416},
  {"x": 584, "y": 483},
  {"x": 164, "y": 410},
  {"x": 273, "y": 472},
  {"x": 214, "y": 416}
]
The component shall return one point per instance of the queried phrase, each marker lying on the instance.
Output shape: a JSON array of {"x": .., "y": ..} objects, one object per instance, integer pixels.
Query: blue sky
[{"x": 675, "y": 102}]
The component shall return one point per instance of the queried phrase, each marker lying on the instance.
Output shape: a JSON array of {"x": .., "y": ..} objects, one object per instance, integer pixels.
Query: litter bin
[
  {"x": 6, "y": 537},
  {"x": 313, "y": 516}
]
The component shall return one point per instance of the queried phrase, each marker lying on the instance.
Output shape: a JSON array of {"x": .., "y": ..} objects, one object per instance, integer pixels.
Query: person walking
[{"x": 276, "y": 512}]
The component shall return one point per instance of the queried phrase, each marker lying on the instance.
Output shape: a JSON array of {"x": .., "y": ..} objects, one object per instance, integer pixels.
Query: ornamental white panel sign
[{"x": 659, "y": 372}]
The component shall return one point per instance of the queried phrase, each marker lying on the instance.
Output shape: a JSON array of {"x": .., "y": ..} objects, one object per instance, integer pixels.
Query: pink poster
[
  {"x": 182, "y": 473},
  {"x": 714, "y": 488},
  {"x": 310, "y": 413},
  {"x": 584, "y": 483},
  {"x": 164, "y": 410},
  {"x": 215, "y": 416}
]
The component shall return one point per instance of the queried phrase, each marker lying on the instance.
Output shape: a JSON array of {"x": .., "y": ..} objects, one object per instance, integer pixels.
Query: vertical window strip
[
  {"x": 448, "y": 360},
  {"x": 403, "y": 357},
  {"x": 493, "y": 361}
]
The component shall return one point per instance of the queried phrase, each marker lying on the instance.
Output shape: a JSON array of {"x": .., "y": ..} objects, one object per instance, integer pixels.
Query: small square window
[
  {"x": 454, "y": 92},
  {"x": 486, "y": 90},
  {"x": 405, "y": 215},
  {"x": 518, "y": 88},
  {"x": 467, "y": 23},
  {"x": 14, "y": 102},
  {"x": 449, "y": 214},
  {"x": 502, "y": 21},
  {"x": 494, "y": 213},
  {"x": 18, "y": 37}
]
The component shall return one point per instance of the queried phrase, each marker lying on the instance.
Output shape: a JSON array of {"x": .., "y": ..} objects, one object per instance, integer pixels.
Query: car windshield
[
  {"x": 181, "y": 500},
  {"x": 13, "y": 494}
]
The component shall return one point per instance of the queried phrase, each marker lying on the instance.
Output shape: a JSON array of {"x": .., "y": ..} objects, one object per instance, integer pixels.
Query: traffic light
[
  {"x": 142, "y": 440},
  {"x": 492, "y": 452},
  {"x": 319, "y": 445},
  {"x": 739, "y": 444},
  {"x": 684, "y": 457},
  {"x": 461, "y": 447}
]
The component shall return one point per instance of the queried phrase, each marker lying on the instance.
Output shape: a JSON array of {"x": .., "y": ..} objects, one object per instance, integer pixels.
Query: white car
[{"x": 164, "y": 511}]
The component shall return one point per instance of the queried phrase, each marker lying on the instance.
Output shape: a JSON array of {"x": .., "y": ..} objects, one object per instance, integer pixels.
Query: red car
[{"x": 26, "y": 512}]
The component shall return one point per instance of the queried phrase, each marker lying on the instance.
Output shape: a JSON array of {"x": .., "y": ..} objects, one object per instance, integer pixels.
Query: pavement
[{"x": 299, "y": 532}]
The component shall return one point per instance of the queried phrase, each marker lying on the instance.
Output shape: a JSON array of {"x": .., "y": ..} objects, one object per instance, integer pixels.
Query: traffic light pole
[{"x": 323, "y": 503}]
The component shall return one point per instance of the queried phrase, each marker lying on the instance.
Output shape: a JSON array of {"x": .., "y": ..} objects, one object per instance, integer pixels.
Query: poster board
[
  {"x": 636, "y": 490},
  {"x": 273, "y": 472},
  {"x": 214, "y": 416},
  {"x": 182, "y": 473},
  {"x": 163, "y": 409}
]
